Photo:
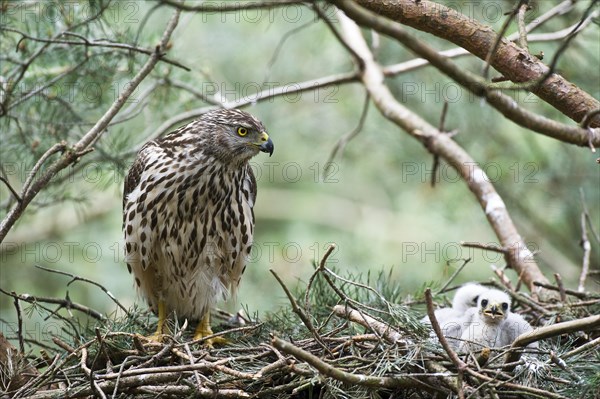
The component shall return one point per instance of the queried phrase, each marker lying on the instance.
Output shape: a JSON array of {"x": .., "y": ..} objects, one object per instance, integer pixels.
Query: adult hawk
[{"x": 187, "y": 214}]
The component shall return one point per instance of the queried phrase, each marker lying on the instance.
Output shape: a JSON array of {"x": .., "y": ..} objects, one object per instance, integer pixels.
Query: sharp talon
[
  {"x": 203, "y": 330},
  {"x": 212, "y": 342}
]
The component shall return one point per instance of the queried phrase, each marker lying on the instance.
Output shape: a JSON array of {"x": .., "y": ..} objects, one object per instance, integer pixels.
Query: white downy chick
[
  {"x": 451, "y": 319},
  {"x": 491, "y": 324}
]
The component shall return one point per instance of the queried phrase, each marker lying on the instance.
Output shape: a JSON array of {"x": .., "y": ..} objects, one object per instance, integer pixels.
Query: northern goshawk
[{"x": 187, "y": 214}]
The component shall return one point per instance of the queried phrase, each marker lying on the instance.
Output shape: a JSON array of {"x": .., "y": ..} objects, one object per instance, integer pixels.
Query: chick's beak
[
  {"x": 493, "y": 311},
  {"x": 266, "y": 145}
]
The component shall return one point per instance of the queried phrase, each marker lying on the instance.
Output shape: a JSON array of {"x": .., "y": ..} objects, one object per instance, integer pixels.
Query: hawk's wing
[
  {"x": 135, "y": 173},
  {"x": 252, "y": 188},
  {"x": 139, "y": 164}
]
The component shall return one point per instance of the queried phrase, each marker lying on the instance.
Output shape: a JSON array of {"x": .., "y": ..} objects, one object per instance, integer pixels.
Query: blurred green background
[{"x": 375, "y": 203}]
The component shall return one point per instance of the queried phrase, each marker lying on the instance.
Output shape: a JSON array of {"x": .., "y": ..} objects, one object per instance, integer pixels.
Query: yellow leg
[
  {"x": 162, "y": 318},
  {"x": 203, "y": 330}
]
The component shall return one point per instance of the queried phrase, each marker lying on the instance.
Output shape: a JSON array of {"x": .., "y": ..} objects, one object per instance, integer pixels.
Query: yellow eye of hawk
[{"x": 242, "y": 131}]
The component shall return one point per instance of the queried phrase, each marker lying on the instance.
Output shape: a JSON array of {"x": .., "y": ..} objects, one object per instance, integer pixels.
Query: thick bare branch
[
  {"x": 472, "y": 82},
  {"x": 512, "y": 61}
]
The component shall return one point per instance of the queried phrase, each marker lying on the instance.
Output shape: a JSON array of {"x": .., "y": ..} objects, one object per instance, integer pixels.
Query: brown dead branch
[
  {"x": 510, "y": 60},
  {"x": 383, "y": 330}
]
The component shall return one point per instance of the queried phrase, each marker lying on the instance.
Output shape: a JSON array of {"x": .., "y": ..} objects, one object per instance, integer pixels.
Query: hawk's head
[
  {"x": 494, "y": 306},
  {"x": 233, "y": 134}
]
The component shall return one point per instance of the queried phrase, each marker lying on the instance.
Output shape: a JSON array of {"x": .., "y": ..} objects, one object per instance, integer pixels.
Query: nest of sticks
[{"x": 341, "y": 337}]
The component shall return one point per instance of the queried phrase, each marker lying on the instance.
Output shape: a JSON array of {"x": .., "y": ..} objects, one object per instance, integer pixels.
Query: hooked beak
[
  {"x": 494, "y": 311},
  {"x": 266, "y": 145}
]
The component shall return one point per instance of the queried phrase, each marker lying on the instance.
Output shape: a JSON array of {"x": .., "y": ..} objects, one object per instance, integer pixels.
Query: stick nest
[{"x": 342, "y": 337}]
